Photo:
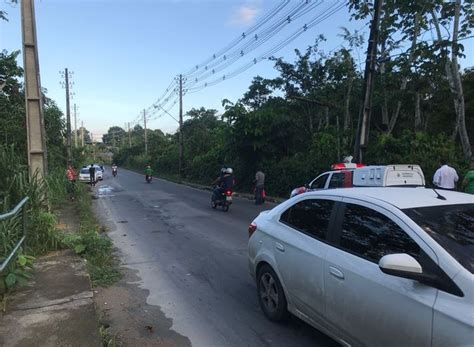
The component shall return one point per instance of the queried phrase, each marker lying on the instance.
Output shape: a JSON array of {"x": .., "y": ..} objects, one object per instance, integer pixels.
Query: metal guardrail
[{"x": 13, "y": 213}]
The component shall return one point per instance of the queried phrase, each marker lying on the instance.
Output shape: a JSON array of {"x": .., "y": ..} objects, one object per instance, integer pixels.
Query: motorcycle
[
  {"x": 148, "y": 178},
  {"x": 225, "y": 200},
  {"x": 114, "y": 172}
]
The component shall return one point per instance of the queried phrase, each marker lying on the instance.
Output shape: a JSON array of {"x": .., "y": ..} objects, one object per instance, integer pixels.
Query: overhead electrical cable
[
  {"x": 315, "y": 21},
  {"x": 254, "y": 42},
  {"x": 262, "y": 21}
]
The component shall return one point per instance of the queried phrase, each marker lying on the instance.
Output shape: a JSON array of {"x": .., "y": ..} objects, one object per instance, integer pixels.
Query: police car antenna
[{"x": 439, "y": 196}]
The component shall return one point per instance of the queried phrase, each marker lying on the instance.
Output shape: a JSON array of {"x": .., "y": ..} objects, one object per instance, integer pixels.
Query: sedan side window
[
  {"x": 372, "y": 235},
  {"x": 320, "y": 182},
  {"x": 310, "y": 216}
]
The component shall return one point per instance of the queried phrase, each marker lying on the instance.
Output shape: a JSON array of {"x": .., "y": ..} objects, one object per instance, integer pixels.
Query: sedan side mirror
[
  {"x": 405, "y": 266},
  {"x": 401, "y": 265}
]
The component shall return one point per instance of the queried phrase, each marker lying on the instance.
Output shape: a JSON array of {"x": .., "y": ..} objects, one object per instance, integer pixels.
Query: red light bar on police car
[{"x": 341, "y": 166}]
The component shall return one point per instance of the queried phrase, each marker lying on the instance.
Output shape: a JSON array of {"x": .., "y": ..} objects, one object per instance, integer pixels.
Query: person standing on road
[
  {"x": 259, "y": 187},
  {"x": 71, "y": 178},
  {"x": 92, "y": 175},
  {"x": 468, "y": 182},
  {"x": 445, "y": 177}
]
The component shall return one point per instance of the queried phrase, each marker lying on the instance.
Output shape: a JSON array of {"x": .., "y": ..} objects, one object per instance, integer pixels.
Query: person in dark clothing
[
  {"x": 224, "y": 182},
  {"x": 92, "y": 175}
]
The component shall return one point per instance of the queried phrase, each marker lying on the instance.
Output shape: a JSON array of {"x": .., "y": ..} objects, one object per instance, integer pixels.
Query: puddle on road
[{"x": 105, "y": 191}]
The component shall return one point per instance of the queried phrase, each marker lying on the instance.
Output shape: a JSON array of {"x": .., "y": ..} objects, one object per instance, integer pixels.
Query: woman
[{"x": 71, "y": 177}]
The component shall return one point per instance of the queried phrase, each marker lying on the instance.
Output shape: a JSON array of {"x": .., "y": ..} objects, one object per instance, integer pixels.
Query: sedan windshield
[
  {"x": 84, "y": 171},
  {"x": 451, "y": 226}
]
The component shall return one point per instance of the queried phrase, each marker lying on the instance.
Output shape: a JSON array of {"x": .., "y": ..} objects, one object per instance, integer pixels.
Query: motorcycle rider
[
  {"x": 114, "y": 169},
  {"x": 148, "y": 172},
  {"x": 224, "y": 182}
]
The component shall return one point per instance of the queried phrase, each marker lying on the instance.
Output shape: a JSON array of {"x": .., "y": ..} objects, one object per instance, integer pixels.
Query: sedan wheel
[{"x": 270, "y": 294}]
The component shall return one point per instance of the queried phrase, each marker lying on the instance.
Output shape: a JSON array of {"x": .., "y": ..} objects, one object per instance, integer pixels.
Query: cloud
[{"x": 245, "y": 14}]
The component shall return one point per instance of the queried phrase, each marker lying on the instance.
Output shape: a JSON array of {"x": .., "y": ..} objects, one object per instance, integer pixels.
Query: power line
[
  {"x": 242, "y": 37},
  {"x": 257, "y": 40},
  {"x": 315, "y": 21}
]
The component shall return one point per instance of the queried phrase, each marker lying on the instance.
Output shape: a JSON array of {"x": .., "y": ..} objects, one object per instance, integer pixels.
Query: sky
[{"x": 124, "y": 54}]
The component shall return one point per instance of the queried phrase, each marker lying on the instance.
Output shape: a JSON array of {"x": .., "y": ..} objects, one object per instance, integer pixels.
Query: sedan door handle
[
  {"x": 279, "y": 246},
  {"x": 336, "y": 272}
]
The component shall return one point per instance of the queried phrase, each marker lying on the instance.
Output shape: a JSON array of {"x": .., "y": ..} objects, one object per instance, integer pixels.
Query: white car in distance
[
  {"x": 84, "y": 175},
  {"x": 370, "y": 266}
]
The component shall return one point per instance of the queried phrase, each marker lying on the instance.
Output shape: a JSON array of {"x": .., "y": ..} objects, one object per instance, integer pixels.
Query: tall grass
[{"x": 15, "y": 184}]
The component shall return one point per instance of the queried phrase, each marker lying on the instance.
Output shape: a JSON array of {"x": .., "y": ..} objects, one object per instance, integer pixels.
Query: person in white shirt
[{"x": 445, "y": 177}]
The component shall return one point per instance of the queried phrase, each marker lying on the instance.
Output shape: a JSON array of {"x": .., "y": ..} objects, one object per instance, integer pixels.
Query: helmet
[{"x": 229, "y": 170}]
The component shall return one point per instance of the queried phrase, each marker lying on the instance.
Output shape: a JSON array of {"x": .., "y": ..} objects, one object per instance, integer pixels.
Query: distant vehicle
[
  {"x": 370, "y": 266},
  {"x": 84, "y": 175},
  {"x": 365, "y": 176}
]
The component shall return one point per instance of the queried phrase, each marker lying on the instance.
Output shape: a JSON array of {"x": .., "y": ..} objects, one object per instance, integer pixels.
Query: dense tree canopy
[{"x": 297, "y": 124}]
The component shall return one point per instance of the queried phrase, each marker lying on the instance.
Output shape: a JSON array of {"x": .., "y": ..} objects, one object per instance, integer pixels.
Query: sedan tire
[{"x": 271, "y": 295}]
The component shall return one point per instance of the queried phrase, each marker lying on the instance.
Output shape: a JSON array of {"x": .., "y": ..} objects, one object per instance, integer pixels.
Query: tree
[
  {"x": 409, "y": 20},
  {"x": 115, "y": 137},
  {"x": 451, "y": 15},
  {"x": 12, "y": 102}
]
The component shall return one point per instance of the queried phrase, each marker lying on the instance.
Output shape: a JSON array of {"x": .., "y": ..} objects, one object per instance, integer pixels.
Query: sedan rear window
[
  {"x": 451, "y": 226},
  {"x": 310, "y": 216},
  {"x": 84, "y": 171}
]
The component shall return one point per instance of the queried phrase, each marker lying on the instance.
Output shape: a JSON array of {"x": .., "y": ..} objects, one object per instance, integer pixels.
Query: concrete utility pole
[
  {"x": 146, "y": 135},
  {"x": 66, "y": 74},
  {"x": 37, "y": 152},
  {"x": 363, "y": 126},
  {"x": 82, "y": 134},
  {"x": 129, "y": 136},
  {"x": 75, "y": 126},
  {"x": 181, "y": 145}
]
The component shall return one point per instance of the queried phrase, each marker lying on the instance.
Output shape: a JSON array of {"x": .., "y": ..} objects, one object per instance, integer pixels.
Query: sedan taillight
[{"x": 252, "y": 228}]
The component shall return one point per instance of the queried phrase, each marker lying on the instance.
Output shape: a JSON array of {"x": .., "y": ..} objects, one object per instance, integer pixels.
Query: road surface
[{"x": 193, "y": 261}]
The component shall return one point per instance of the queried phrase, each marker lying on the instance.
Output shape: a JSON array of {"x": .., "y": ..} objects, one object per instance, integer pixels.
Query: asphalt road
[{"x": 193, "y": 261}]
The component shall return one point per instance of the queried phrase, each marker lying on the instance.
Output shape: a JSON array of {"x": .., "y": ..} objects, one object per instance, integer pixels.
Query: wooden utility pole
[
  {"x": 68, "y": 115},
  {"x": 363, "y": 126},
  {"x": 37, "y": 152},
  {"x": 181, "y": 144},
  {"x": 75, "y": 126},
  {"x": 82, "y": 134},
  {"x": 129, "y": 136},
  {"x": 146, "y": 135}
]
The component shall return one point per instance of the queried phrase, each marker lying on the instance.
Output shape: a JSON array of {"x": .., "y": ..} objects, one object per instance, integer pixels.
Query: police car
[{"x": 356, "y": 175}]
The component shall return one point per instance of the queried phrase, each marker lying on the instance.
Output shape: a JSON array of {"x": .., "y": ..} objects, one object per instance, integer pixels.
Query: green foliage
[
  {"x": 17, "y": 273},
  {"x": 297, "y": 124},
  {"x": 93, "y": 246}
]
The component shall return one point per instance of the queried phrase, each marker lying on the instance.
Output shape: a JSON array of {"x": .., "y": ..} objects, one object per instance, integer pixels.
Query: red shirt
[{"x": 71, "y": 174}]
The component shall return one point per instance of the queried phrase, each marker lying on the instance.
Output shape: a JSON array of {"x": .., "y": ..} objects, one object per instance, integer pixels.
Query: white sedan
[
  {"x": 370, "y": 266},
  {"x": 84, "y": 175}
]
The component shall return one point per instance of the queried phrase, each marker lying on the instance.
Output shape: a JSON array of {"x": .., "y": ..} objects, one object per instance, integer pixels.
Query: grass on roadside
[{"x": 89, "y": 243}]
